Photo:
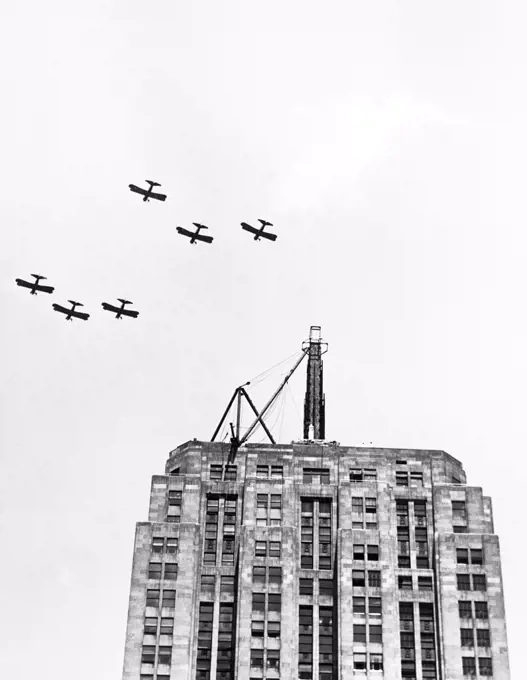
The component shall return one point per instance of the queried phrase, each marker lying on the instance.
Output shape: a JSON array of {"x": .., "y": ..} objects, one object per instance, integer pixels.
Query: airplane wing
[
  {"x": 60, "y": 308},
  {"x": 205, "y": 239},
  {"x": 160, "y": 197},
  {"x": 130, "y": 312},
  {"x": 24, "y": 284},
  {"x": 137, "y": 190},
  {"x": 110, "y": 308},
  {"x": 45, "y": 289},
  {"x": 184, "y": 232},
  {"x": 80, "y": 315},
  {"x": 248, "y": 227},
  {"x": 266, "y": 234}
]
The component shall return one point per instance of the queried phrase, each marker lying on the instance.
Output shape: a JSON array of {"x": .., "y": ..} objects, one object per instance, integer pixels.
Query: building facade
[{"x": 315, "y": 561}]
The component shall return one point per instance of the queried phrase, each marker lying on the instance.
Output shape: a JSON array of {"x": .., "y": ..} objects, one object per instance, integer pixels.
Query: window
[
  {"x": 167, "y": 626},
  {"x": 157, "y": 544},
  {"x": 405, "y": 582},
  {"x": 359, "y": 632},
  {"x": 148, "y": 654},
  {"x": 358, "y": 552},
  {"x": 230, "y": 473},
  {"x": 273, "y": 658},
  {"x": 277, "y": 471},
  {"x": 154, "y": 570},
  {"x": 273, "y": 628},
  {"x": 479, "y": 582},
  {"x": 469, "y": 666},
  {"x": 257, "y": 658},
  {"x": 460, "y": 529},
  {"x": 259, "y": 575},
  {"x": 482, "y": 611},
  {"x": 424, "y": 582},
  {"x": 462, "y": 555},
  {"x": 261, "y": 549},
  {"x": 262, "y": 471},
  {"x": 165, "y": 655},
  {"x": 403, "y": 562},
  {"x": 227, "y": 584},
  {"x": 400, "y": 461},
  {"x": 258, "y": 602},
  {"x": 359, "y": 661},
  {"x": 275, "y": 575},
  {"x": 465, "y": 609},
  {"x": 467, "y": 637},
  {"x": 171, "y": 571},
  {"x": 152, "y": 598},
  {"x": 150, "y": 626},
  {"x": 358, "y": 578},
  {"x": 374, "y": 606},
  {"x": 416, "y": 478},
  {"x": 359, "y": 605},
  {"x": 376, "y": 662},
  {"x": 172, "y": 545},
  {"x": 169, "y": 598},
  {"x": 326, "y": 586},
  {"x": 306, "y": 586},
  {"x": 207, "y": 583},
  {"x": 463, "y": 582},
  {"x": 376, "y": 634},
  {"x": 483, "y": 637},
  {"x": 274, "y": 549},
  {"x": 357, "y": 504},
  {"x": 401, "y": 478},
  {"x": 485, "y": 666},
  {"x": 476, "y": 556},
  {"x": 257, "y": 628},
  {"x": 316, "y": 476},
  {"x": 216, "y": 471},
  {"x": 275, "y": 602},
  {"x": 374, "y": 579},
  {"x": 373, "y": 553},
  {"x": 459, "y": 512}
]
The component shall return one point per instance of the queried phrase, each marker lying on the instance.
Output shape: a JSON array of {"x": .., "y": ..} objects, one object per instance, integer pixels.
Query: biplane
[
  {"x": 34, "y": 286},
  {"x": 71, "y": 312},
  {"x": 120, "y": 311},
  {"x": 148, "y": 193},
  {"x": 260, "y": 233},
  {"x": 195, "y": 235}
]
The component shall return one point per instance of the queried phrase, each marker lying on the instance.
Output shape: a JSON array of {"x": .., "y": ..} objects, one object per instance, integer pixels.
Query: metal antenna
[{"x": 315, "y": 402}]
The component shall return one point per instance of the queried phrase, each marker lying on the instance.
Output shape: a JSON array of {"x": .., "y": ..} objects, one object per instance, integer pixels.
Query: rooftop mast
[{"x": 314, "y": 404}]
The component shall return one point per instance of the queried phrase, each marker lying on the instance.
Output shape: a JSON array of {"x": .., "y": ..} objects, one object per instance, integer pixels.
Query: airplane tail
[
  {"x": 37, "y": 276},
  {"x": 154, "y": 184},
  {"x": 124, "y": 302},
  {"x": 77, "y": 304}
]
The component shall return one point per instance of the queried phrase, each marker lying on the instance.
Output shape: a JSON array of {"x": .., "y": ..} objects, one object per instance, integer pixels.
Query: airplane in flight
[
  {"x": 71, "y": 312},
  {"x": 195, "y": 235},
  {"x": 147, "y": 193},
  {"x": 120, "y": 311},
  {"x": 260, "y": 233},
  {"x": 35, "y": 285}
]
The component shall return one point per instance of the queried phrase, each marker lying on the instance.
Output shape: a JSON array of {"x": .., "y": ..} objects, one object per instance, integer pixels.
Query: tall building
[{"x": 314, "y": 561}]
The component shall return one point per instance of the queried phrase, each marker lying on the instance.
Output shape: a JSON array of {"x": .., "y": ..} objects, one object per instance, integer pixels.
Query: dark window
[
  {"x": 259, "y": 575},
  {"x": 460, "y": 530},
  {"x": 207, "y": 583},
  {"x": 154, "y": 570},
  {"x": 230, "y": 473},
  {"x": 148, "y": 654},
  {"x": 374, "y": 579},
  {"x": 257, "y": 628},
  {"x": 401, "y": 479},
  {"x": 326, "y": 586},
  {"x": 376, "y": 634},
  {"x": 277, "y": 471},
  {"x": 273, "y": 628},
  {"x": 261, "y": 548},
  {"x": 257, "y": 658},
  {"x": 359, "y": 661},
  {"x": 150, "y": 626},
  {"x": 358, "y": 552},
  {"x": 374, "y": 606},
  {"x": 479, "y": 582},
  {"x": 167, "y": 626},
  {"x": 275, "y": 602},
  {"x": 476, "y": 556},
  {"x": 216, "y": 471},
  {"x": 403, "y": 562},
  {"x": 405, "y": 582},
  {"x": 359, "y": 632},
  {"x": 467, "y": 637},
  {"x": 376, "y": 662},
  {"x": 258, "y": 602},
  {"x": 469, "y": 666},
  {"x": 462, "y": 555},
  {"x": 262, "y": 471},
  {"x": 424, "y": 582},
  {"x": 169, "y": 598},
  {"x": 273, "y": 658},
  {"x": 275, "y": 574},
  {"x": 465, "y": 609},
  {"x": 416, "y": 477},
  {"x": 306, "y": 586},
  {"x": 485, "y": 666},
  {"x": 152, "y": 598},
  {"x": 227, "y": 584},
  {"x": 157, "y": 544},
  {"x": 274, "y": 549},
  {"x": 463, "y": 582},
  {"x": 165, "y": 655},
  {"x": 359, "y": 605},
  {"x": 171, "y": 571},
  {"x": 172, "y": 545},
  {"x": 482, "y": 611},
  {"x": 358, "y": 578},
  {"x": 356, "y": 476},
  {"x": 373, "y": 553},
  {"x": 483, "y": 637}
]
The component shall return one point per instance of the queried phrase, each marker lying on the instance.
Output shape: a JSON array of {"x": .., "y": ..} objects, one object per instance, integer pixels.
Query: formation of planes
[
  {"x": 195, "y": 236},
  {"x": 35, "y": 287},
  {"x": 120, "y": 312}
]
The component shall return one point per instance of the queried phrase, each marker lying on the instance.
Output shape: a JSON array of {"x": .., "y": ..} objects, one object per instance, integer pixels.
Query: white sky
[{"x": 385, "y": 140}]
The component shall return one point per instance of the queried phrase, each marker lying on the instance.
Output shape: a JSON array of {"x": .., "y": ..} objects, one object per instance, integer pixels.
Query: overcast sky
[{"x": 386, "y": 141}]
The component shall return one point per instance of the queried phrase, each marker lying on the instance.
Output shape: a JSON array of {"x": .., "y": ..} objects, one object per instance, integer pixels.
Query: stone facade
[{"x": 391, "y": 578}]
